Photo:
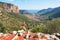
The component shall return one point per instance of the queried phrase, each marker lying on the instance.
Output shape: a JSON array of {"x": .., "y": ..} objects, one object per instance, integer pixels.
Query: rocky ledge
[
  {"x": 27, "y": 35},
  {"x": 9, "y": 7}
]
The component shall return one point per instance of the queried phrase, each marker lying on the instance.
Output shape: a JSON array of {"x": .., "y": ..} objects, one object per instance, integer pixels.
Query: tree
[
  {"x": 53, "y": 26},
  {"x": 1, "y": 27},
  {"x": 39, "y": 28}
]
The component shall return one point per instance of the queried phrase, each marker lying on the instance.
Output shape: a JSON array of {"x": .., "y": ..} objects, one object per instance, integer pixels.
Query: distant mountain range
[
  {"x": 28, "y": 11},
  {"x": 53, "y": 13},
  {"x": 44, "y": 13},
  {"x": 31, "y": 14}
]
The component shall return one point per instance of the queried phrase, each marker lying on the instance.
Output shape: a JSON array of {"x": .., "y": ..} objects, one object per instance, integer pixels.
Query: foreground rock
[{"x": 27, "y": 35}]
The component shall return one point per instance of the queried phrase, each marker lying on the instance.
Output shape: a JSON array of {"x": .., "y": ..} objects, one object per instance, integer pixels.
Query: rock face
[{"x": 9, "y": 7}]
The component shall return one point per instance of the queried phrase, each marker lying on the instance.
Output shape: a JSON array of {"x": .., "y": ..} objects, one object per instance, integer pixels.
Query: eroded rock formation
[{"x": 9, "y": 7}]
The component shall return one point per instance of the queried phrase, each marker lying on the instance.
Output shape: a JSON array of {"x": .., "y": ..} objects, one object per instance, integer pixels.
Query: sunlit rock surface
[
  {"x": 9, "y": 7},
  {"x": 27, "y": 35}
]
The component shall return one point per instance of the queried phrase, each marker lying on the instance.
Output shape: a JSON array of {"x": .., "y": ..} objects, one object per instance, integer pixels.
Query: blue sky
[{"x": 34, "y": 4}]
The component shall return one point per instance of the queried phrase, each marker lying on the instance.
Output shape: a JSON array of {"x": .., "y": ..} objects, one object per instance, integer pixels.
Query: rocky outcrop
[{"x": 9, "y": 7}]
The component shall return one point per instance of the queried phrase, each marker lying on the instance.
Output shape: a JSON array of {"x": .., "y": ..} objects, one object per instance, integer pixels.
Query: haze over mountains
[{"x": 44, "y": 13}]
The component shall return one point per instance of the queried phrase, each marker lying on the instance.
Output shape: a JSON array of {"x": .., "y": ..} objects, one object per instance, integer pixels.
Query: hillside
[
  {"x": 12, "y": 21},
  {"x": 45, "y": 10},
  {"x": 44, "y": 14},
  {"x": 32, "y": 17},
  {"x": 50, "y": 13},
  {"x": 30, "y": 14},
  {"x": 9, "y": 7}
]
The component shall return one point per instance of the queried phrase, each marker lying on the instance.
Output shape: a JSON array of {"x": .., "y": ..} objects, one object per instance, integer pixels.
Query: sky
[{"x": 34, "y": 4}]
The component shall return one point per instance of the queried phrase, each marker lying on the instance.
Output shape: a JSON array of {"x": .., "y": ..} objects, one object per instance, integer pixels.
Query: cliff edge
[{"x": 9, "y": 7}]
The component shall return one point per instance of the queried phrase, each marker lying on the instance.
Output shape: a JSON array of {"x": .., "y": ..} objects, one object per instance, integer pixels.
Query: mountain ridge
[
  {"x": 9, "y": 7},
  {"x": 55, "y": 13},
  {"x": 47, "y": 14}
]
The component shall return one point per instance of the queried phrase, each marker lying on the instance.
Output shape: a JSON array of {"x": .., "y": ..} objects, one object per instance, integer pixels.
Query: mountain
[
  {"x": 28, "y": 11},
  {"x": 9, "y": 7},
  {"x": 30, "y": 14},
  {"x": 46, "y": 14},
  {"x": 24, "y": 12},
  {"x": 43, "y": 11},
  {"x": 10, "y": 21},
  {"x": 54, "y": 13},
  {"x": 33, "y": 17},
  {"x": 41, "y": 14}
]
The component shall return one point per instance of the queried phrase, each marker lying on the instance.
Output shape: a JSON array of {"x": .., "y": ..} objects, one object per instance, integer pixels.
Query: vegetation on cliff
[{"x": 12, "y": 21}]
